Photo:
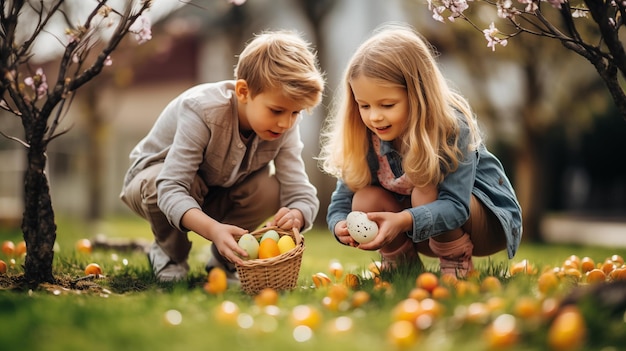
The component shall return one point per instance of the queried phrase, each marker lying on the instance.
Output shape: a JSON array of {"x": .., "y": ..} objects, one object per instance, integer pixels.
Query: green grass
[{"x": 126, "y": 309}]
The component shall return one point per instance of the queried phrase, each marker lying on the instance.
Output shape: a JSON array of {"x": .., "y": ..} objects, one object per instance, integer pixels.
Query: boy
[{"x": 206, "y": 165}]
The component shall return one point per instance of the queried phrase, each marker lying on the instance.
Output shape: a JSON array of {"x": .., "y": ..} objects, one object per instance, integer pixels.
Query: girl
[{"x": 406, "y": 149}]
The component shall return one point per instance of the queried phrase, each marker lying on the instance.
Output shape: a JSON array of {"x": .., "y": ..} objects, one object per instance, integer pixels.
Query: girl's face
[
  {"x": 384, "y": 108},
  {"x": 269, "y": 114}
]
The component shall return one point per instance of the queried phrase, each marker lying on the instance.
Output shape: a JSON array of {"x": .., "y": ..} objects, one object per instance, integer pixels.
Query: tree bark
[{"x": 38, "y": 225}]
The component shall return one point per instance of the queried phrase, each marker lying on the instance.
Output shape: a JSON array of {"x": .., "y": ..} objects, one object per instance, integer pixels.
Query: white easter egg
[{"x": 361, "y": 229}]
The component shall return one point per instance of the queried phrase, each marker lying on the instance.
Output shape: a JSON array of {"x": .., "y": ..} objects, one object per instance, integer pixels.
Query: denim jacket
[{"x": 479, "y": 173}]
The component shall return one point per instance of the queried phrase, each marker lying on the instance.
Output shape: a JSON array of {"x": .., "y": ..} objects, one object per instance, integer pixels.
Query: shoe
[
  {"x": 217, "y": 261},
  {"x": 166, "y": 270},
  {"x": 455, "y": 257},
  {"x": 403, "y": 256},
  {"x": 457, "y": 266}
]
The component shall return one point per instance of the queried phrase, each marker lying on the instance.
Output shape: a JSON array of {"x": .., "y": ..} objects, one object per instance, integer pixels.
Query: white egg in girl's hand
[{"x": 361, "y": 229}]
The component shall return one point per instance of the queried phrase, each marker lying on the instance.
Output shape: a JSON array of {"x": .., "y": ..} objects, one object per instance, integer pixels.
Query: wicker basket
[{"x": 280, "y": 272}]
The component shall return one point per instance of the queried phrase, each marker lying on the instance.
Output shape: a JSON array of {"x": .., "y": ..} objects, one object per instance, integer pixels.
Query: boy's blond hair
[
  {"x": 397, "y": 56},
  {"x": 281, "y": 60}
]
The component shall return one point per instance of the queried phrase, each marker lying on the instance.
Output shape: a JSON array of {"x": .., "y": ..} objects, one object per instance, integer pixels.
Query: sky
[{"x": 51, "y": 42}]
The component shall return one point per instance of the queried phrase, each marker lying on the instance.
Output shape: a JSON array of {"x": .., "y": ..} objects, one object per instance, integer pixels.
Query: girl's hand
[
  {"x": 287, "y": 219},
  {"x": 390, "y": 225},
  {"x": 342, "y": 234}
]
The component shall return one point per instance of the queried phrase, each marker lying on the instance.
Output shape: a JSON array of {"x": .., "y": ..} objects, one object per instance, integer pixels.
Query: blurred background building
[{"x": 543, "y": 110}]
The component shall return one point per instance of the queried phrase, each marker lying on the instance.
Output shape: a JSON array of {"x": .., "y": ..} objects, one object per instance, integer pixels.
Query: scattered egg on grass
[
  {"x": 266, "y": 297},
  {"x": 502, "y": 332},
  {"x": 320, "y": 279},
  {"x": 216, "y": 282},
  {"x": 8, "y": 247},
  {"x": 335, "y": 268},
  {"x": 568, "y": 330},
  {"x": 93, "y": 268},
  {"x": 20, "y": 248},
  {"x": 427, "y": 281},
  {"x": 84, "y": 246}
]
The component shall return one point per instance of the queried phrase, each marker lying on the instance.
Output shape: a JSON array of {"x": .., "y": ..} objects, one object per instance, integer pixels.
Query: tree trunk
[
  {"x": 530, "y": 172},
  {"x": 529, "y": 186},
  {"x": 96, "y": 141},
  {"x": 38, "y": 224}
]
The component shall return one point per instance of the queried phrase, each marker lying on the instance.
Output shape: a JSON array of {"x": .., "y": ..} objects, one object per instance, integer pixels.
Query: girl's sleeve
[
  {"x": 451, "y": 209},
  {"x": 340, "y": 205}
]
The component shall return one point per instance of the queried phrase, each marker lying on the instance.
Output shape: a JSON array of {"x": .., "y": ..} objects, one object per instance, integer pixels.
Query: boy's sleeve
[
  {"x": 296, "y": 191},
  {"x": 181, "y": 164}
]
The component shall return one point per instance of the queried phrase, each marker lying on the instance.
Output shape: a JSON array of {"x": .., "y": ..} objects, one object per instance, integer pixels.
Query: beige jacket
[{"x": 198, "y": 133}]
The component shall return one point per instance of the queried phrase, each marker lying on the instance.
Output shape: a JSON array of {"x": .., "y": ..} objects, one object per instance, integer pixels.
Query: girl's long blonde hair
[{"x": 398, "y": 56}]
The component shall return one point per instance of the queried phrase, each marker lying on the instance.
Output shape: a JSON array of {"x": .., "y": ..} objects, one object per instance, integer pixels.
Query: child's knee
[
  {"x": 374, "y": 199},
  {"x": 423, "y": 195}
]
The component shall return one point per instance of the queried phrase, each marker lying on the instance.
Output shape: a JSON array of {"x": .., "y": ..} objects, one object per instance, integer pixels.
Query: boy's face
[{"x": 269, "y": 114}]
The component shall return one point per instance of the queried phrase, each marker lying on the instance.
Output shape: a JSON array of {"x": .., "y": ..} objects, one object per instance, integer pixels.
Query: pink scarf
[{"x": 401, "y": 185}]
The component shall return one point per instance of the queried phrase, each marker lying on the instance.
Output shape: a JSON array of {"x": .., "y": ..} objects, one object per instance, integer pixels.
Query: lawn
[{"x": 126, "y": 309}]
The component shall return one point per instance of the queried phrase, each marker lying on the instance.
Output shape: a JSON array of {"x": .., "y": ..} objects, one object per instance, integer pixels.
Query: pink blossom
[
  {"x": 506, "y": 9},
  {"x": 456, "y": 8},
  {"x": 531, "y": 5},
  {"x": 492, "y": 40},
  {"x": 556, "y": 3},
  {"x": 108, "y": 61},
  {"x": 578, "y": 13},
  {"x": 142, "y": 29},
  {"x": 38, "y": 83}
]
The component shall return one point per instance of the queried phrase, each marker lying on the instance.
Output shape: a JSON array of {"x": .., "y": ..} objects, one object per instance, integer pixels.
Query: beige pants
[{"x": 247, "y": 205}]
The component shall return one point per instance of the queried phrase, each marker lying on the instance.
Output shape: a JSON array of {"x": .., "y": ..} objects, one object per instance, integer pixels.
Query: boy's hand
[
  {"x": 287, "y": 219},
  {"x": 224, "y": 240},
  {"x": 222, "y": 235}
]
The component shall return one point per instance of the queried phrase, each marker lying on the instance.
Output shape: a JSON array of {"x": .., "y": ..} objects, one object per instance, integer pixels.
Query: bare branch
[
  {"x": 120, "y": 32},
  {"x": 18, "y": 140},
  {"x": 52, "y": 137},
  {"x": 40, "y": 26},
  {"x": 5, "y": 106},
  {"x": 55, "y": 121},
  {"x": 608, "y": 30}
]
